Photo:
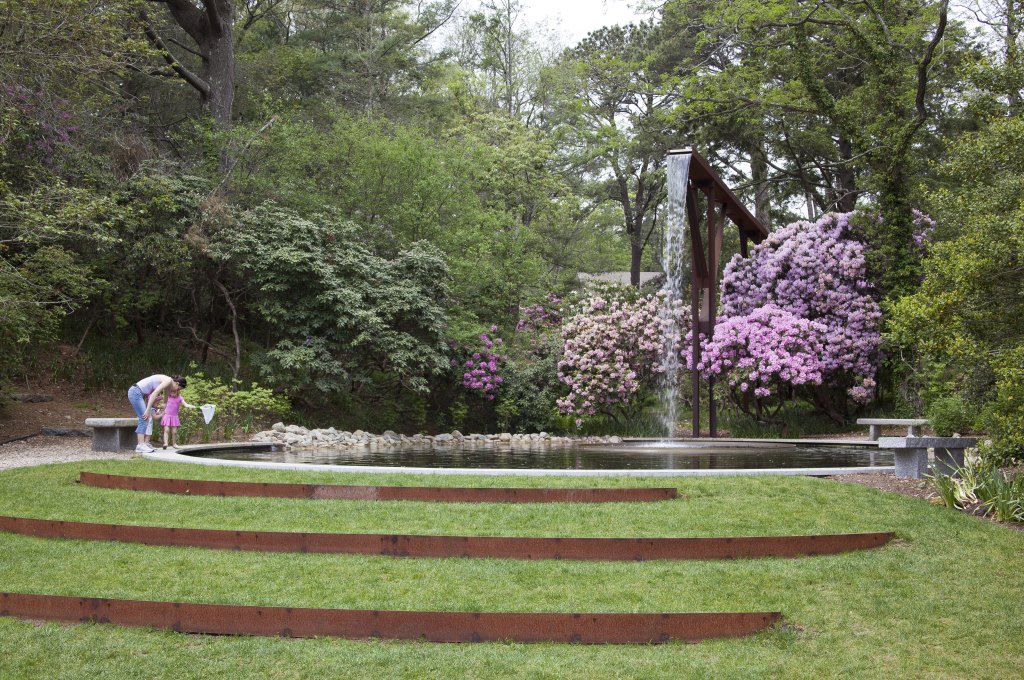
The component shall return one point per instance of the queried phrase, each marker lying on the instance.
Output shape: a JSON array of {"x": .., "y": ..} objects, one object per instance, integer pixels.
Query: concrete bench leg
[
  {"x": 874, "y": 432},
  {"x": 948, "y": 461},
  {"x": 913, "y": 431},
  {"x": 106, "y": 439},
  {"x": 128, "y": 438},
  {"x": 911, "y": 463},
  {"x": 113, "y": 438}
]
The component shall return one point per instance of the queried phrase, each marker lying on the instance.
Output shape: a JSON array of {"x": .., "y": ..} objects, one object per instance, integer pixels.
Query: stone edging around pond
[
  {"x": 296, "y": 436},
  {"x": 205, "y": 454}
]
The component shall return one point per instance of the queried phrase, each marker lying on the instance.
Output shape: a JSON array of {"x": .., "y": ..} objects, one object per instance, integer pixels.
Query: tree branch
[
  {"x": 240, "y": 154},
  {"x": 234, "y": 324},
  {"x": 191, "y": 78},
  {"x": 186, "y": 47},
  {"x": 191, "y": 19},
  {"x": 922, "y": 77}
]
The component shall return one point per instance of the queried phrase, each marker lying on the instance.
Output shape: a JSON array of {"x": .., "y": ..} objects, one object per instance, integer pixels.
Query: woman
[{"x": 142, "y": 395}]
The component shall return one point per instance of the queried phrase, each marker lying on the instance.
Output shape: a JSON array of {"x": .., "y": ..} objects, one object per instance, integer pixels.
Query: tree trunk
[
  {"x": 1013, "y": 55},
  {"x": 847, "y": 178},
  {"x": 759, "y": 175},
  {"x": 210, "y": 26},
  {"x": 206, "y": 345},
  {"x": 219, "y": 72},
  {"x": 636, "y": 251}
]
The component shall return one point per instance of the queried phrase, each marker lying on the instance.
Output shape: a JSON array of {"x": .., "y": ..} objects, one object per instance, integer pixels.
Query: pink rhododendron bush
[
  {"x": 798, "y": 314},
  {"x": 611, "y": 354},
  {"x": 760, "y": 352}
]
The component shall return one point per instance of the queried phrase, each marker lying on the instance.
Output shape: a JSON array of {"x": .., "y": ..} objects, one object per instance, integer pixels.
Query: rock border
[{"x": 299, "y": 437}]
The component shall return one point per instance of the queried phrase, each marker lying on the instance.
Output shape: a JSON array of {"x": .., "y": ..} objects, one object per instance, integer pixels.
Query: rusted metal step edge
[
  {"x": 200, "y": 487},
  {"x": 411, "y": 545},
  {"x": 432, "y": 626}
]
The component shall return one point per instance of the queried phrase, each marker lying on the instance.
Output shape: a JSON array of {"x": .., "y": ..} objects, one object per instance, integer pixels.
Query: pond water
[{"x": 647, "y": 455}]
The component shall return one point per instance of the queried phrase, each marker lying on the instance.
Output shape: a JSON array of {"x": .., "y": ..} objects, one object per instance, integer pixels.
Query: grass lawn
[{"x": 943, "y": 600}]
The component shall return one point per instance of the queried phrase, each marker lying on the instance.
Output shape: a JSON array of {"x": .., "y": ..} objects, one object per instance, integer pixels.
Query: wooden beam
[{"x": 701, "y": 172}]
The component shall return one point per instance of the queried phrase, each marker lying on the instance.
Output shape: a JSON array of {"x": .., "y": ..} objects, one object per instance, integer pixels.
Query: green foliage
[
  {"x": 793, "y": 421},
  {"x": 1005, "y": 415},
  {"x": 612, "y": 96},
  {"x": 36, "y": 292},
  {"x": 946, "y": 488},
  {"x": 375, "y": 197},
  {"x": 337, "y": 311},
  {"x": 239, "y": 410},
  {"x": 526, "y": 401},
  {"x": 1000, "y": 495},
  {"x": 950, "y": 415},
  {"x": 963, "y": 331},
  {"x": 838, "y": 82}
]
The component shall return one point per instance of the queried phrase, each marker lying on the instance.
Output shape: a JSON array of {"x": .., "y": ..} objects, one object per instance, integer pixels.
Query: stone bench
[
  {"x": 113, "y": 434},
  {"x": 911, "y": 454},
  {"x": 875, "y": 425}
]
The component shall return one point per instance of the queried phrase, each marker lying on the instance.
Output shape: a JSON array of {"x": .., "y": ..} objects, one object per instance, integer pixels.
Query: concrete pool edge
[{"x": 180, "y": 457}]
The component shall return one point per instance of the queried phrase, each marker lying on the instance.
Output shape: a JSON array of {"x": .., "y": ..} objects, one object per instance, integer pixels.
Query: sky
[
  {"x": 569, "y": 20},
  {"x": 573, "y": 19}
]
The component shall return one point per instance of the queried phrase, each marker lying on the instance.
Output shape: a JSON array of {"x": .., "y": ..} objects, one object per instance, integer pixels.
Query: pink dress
[{"x": 170, "y": 418}]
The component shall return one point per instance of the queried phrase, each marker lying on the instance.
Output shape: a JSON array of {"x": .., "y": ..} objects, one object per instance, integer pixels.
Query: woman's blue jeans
[{"x": 138, "y": 401}]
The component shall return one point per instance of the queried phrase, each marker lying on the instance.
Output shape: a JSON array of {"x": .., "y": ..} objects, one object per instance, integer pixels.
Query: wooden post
[
  {"x": 715, "y": 226},
  {"x": 697, "y": 268}
]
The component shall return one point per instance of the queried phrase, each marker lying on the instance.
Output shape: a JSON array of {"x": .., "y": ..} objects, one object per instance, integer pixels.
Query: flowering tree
[
  {"x": 611, "y": 350},
  {"x": 805, "y": 287}
]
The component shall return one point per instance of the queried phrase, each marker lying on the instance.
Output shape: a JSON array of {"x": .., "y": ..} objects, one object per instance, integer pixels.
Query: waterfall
[{"x": 674, "y": 256}]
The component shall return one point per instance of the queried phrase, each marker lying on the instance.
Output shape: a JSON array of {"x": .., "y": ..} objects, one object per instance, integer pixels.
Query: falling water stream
[{"x": 674, "y": 257}]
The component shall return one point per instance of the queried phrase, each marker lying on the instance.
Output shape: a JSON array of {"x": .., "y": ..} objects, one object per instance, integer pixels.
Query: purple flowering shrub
[
  {"x": 763, "y": 352},
  {"x": 808, "y": 280},
  {"x": 540, "y": 316},
  {"x": 516, "y": 380},
  {"x": 481, "y": 373},
  {"x": 42, "y": 123},
  {"x": 611, "y": 351}
]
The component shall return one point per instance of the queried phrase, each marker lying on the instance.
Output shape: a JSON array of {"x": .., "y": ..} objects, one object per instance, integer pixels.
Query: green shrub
[
  {"x": 1001, "y": 496},
  {"x": 238, "y": 409},
  {"x": 529, "y": 395},
  {"x": 1006, "y": 415},
  {"x": 949, "y": 415}
]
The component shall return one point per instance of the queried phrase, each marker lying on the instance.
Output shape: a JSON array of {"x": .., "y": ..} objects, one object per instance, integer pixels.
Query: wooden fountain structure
[{"x": 706, "y": 252}]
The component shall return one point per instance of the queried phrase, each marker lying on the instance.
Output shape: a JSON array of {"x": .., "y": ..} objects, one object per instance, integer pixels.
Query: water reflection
[{"x": 639, "y": 456}]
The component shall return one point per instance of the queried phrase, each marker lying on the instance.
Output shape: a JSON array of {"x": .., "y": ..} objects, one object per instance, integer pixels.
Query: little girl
[{"x": 170, "y": 420}]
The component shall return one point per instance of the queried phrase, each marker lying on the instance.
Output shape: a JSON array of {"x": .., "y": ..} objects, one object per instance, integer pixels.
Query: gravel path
[{"x": 42, "y": 450}]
